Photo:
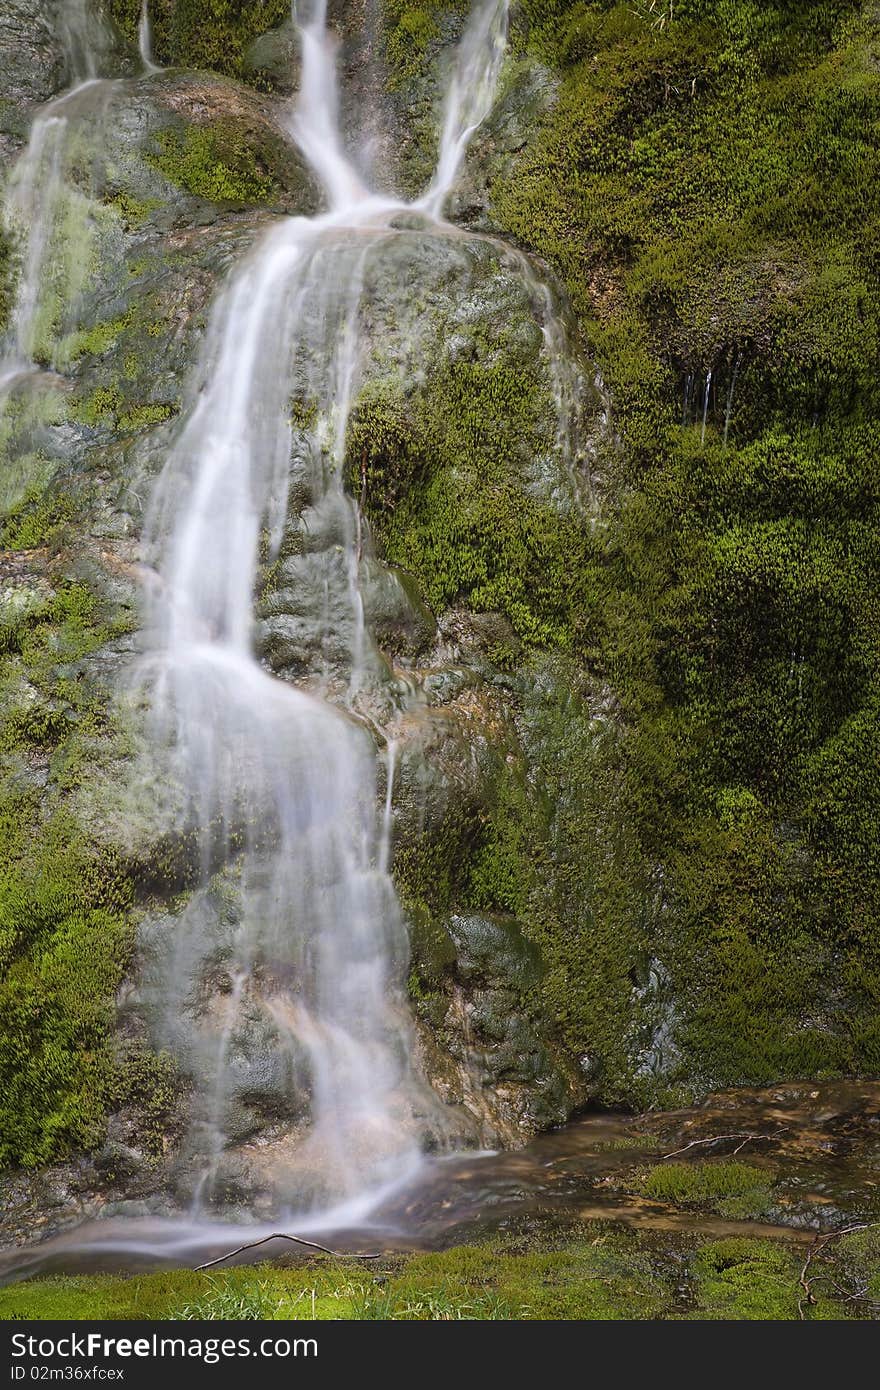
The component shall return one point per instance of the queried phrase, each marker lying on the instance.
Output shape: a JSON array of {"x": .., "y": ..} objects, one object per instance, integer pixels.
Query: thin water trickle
[
  {"x": 470, "y": 98},
  {"x": 145, "y": 40},
  {"x": 388, "y": 814},
  {"x": 706, "y": 406},
  {"x": 729, "y": 411}
]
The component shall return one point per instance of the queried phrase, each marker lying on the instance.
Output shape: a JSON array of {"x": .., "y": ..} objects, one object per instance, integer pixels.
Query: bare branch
[
  {"x": 282, "y": 1235},
  {"x": 820, "y": 1243},
  {"x": 724, "y": 1138}
]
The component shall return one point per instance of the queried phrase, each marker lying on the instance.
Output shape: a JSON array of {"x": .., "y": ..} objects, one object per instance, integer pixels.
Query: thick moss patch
[
  {"x": 64, "y": 941},
  {"x": 442, "y": 477},
  {"x": 218, "y": 162},
  {"x": 733, "y": 1188}
]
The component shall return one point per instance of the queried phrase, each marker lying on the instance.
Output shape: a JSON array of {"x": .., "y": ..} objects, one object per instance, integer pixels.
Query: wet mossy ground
[{"x": 597, "y": 1272}]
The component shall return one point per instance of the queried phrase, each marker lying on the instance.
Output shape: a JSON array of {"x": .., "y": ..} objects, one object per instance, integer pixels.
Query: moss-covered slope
[{"x": 701, "y": 181}]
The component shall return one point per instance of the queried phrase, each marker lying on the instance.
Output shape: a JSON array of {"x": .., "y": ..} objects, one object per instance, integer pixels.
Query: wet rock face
[
  {"x": 501, "y": 1064},
  {"x": 32, "y": 65}
]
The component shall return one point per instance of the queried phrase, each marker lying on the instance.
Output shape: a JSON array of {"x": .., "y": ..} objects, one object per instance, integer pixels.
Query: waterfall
[{"x": 284, "y": 779}]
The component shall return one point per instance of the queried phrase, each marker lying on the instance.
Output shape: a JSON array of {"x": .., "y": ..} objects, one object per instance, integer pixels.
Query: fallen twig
[
  {"x": 723, "y": 1138},
  {"x": 282, "y": 1235}
]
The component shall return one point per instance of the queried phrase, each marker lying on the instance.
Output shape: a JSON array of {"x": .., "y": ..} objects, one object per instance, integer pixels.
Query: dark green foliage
[{"x": 703, "y": 186}]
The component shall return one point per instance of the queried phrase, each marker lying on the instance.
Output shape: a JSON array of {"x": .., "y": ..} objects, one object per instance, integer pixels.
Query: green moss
[
  {"x": 854, "y": 1262},
  {"x": 148, "y": 1082},
  {"x": 64, "y": 940},
  {"x": 747, "y": 1280},
  {"x": 217, "y": 162},
  {"x": 108, "y": 406},
  {"x": 441, "y": 478},
  {"x": 609, "y": 1279},
  {"x": 699, "y": 185},
  {"x": 411, "y": 34},
  {"x": 712, "y": 243},
  {"x": 65, "y": 925},
  {"x": 40, "y": 519},
  {"x": 597, "y": 1272},
  {"x": 736, "y": 1189},
  {"x": 99, "y": 339}
]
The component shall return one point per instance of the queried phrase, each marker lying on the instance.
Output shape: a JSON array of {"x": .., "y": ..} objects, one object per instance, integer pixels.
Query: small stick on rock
[
  {"x": 722, "y": 1138},
  {"x": 282, "y": 1235}
]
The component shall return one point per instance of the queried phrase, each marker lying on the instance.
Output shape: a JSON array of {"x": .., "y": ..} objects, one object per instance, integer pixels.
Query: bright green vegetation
[
  {"x": 218, "y": 162},
  {"x": 730, "y": 1187},
  {"x": 202, "y": 33},
  {"x": 441, "y": 478},
  {"x": 599, "y": 1273},
  {"x": 64, "y": 940},
  {"x": 702, "y": 188},
  {"x": 412, "y": 34},
  {"x": 107, "y": 405},
  {"x": 751, "y": 1279}
]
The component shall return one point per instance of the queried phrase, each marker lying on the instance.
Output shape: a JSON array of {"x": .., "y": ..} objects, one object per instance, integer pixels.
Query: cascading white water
[{"x": 284, "y": 779}]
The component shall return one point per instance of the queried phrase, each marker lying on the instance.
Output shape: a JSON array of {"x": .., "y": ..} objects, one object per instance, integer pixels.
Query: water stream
[
  {"x": 814, "y": 1146},
  {"x": 285, "y": 778}
]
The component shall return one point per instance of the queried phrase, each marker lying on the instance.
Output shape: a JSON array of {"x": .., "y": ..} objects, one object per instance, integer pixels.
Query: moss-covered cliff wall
[{"x": 700, "y": 180}]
